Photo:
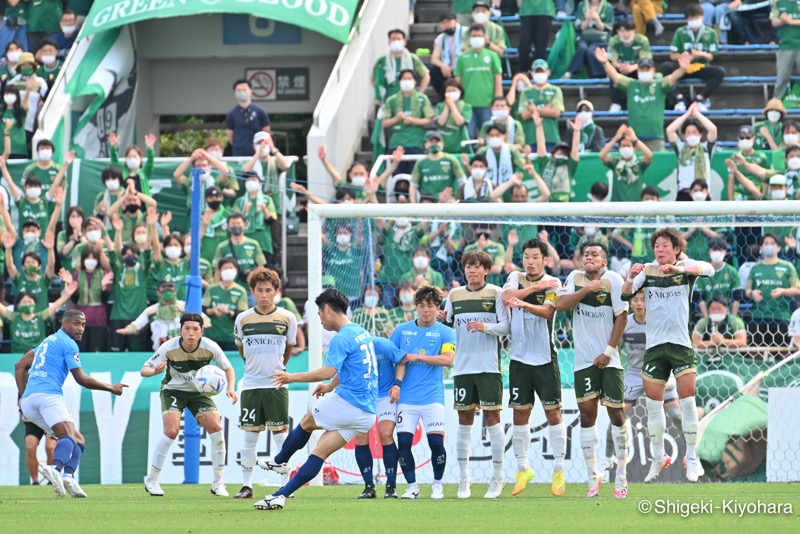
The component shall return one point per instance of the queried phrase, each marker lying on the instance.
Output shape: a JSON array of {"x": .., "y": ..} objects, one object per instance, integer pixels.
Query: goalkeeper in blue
[
  {"x": 40, "y": 375},
  {"x": 667, "y": 284},
  {"x": 349, "y": 411}
]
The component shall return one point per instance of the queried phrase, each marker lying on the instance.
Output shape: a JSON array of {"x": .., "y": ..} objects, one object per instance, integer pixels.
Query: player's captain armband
[{"x": 448, "y": 347}]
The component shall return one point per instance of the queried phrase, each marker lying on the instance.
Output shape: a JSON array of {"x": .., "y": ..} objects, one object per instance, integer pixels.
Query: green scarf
[
  {"x": 624, "y": 170},
  {"x": 415, "y": 99},
  {"x": 586, "y": 135},
  {"x": 167, "y": 312},
  {"x": 91, "y": 293},
  {"x": 696, "y": 154}
]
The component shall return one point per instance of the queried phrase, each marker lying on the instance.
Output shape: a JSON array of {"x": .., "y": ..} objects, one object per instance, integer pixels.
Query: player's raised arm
[
  {"x": 690, "y": 267},
  {"x": 634, "y": 282},
  {"x": 21, "y": 369},
  {"x": 323, "y": 373},
  {"x": 88, "y": 382},
  {"x": 570, "y": 298}
]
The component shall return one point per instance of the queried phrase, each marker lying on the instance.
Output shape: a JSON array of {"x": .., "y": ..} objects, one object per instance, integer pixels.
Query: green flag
[{"x": 328, "y": 17}]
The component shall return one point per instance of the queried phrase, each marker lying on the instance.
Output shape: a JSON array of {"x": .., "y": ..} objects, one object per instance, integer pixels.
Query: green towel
[{"x": 562, "y": 51}]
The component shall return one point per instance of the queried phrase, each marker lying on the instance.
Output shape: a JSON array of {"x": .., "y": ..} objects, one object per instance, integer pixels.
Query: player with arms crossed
[
  {"x": 346, "y": 413},
  {"x": 40, "y": 376},
  {"x": 598, "y": 322},
  {"x": 667, "y": 284},
  {"x": 479, "y": 318},
  {"x": 182, "y": 357},
  {"x": 265, "y": 336},
  {"x": 432, "y": 347},
  {"x": 531, "y": 297}
]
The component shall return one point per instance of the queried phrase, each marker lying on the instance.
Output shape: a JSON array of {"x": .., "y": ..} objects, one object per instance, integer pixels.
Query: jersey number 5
[{"x": 369, "y": 359}]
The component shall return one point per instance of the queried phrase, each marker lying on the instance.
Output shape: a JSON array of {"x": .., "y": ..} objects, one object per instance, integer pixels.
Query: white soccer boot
[
  {"x": 464, "y": 491},
  {"x": 219, "y": 489},
  {"x": 495, "y": 488},
  {"x": 53, "y": 475},
  {"x": 153, "y": 488},
  {"x": 694, "y": 469},
  {"x": 73, "y": 488},
  {"x": 437, "y": 491},
  {"x": 656, "y": 467},
  {"x": 411, "y": 493},
  {"x": 269, "y": 465},
  {"x": 270, "y": 502}
]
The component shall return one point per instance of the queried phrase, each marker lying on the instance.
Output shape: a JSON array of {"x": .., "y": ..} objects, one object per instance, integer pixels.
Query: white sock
[
  {"x": 217, "y": 454},
  {"x": 589, "y": 440},
  {"x": 159, "y": 456},
  {"x": 689, "y": 412},
  {"x": 558, "y": 443},
  {"x": 522, "y": 442},
  {"x": 674, "y": 414},
  {"x": 279, "y": 439},
  {"x": 463, "y": 449},
  {"x": 656, "y": 426},
  {"x": 248, "y": 457},
  {"x": 498, "y": 440},
  {"x": 620, "y": 436}
]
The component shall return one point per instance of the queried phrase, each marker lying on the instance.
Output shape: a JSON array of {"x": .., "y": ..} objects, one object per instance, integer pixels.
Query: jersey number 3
[
  {"x": 39, "y": 354},
  {"x": 369, "y": 359}
]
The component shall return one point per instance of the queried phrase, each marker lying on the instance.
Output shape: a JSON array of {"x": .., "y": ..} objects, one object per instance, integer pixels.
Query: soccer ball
[{"x": 210, "y": 380}]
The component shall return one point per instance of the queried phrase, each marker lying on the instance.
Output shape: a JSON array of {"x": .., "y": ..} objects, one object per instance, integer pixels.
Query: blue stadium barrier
[
  {"x": 513, "y": 53},
  {"x": 595, "y": 82}
]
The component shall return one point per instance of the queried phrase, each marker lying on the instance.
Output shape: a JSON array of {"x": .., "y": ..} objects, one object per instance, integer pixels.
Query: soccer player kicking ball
[
  {"x": 598, "y": 322},
  {"x": 531, "y": 296},
  {"x": 182, "y": 357},
  {"x": 431, "y": 346},
  {"x": 265, "y": 336},
  {"x": 480, "y": 318},
  {"x": 667, "y": 285},
  {"x": 40, "y": 375},
  {"x": 348, "y": 412}
]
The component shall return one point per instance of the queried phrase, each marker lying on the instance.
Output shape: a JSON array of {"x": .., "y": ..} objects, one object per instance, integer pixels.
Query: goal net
[{"x": 741, "y": 320}]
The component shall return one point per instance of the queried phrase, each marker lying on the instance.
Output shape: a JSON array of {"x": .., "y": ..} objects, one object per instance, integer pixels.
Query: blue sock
[
  {"x": 295, "y": 441},
  {"x": 404, "y": 441},
  {"x": 304, "y": 475},
  {"x": 390, "y": 463},
  {"x": 63, "y": 452},
  {"x": 72, "y": 465},
  {"x": 364, "y": 461},
  {"x": 438, "y": 455}
]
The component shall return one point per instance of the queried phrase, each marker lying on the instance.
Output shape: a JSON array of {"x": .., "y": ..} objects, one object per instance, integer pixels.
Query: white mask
[
  {"x": 396, "y": 46},
  {"x": 13, "y": 56},
  {"x": 773, "y": 116},
  {"x": 33, "y": 192},
  {"x": 48, "y": 59},
  {"x": 477, "y": 42},
  {"x": 45, "y": 154},
  {"x": 227, "y": 275},
  {"x": 693, "y": 140},
  {"x": 699, "y": 196},
  {"x": 421, "y": 262},
  {"x": 478, "y": 174},
  {"x": 717, "y": 256},
  {"x": 173, "y": 253},
  {"x": 68, "y": 30},
  {"x": 407, "y": 85},
  {"x": 646, "y": 76},
  {"x": 242, "y": 96},
  {"x": 539, "y": 78},
  {"x": 778, "y": 194},
  {"x": 769, "y": 250},
  {"x": 343, "y": 239},
  {"x": 626, "y": 152},
  {"x": 791, "y": 139},
  {"x": 93, "y": 236},
  {"x": 133, "y": 163},
  {"x": 695, "y": 24},
  {"x": 370, "y": 301},
  {"x": 521, "y": 86},
  {"x": 590, "y": 230},
  {"x": 454, "y": 95},
  {"x": 90, "y": 264},
  {"x": 141, "y": 239},
  {"x": 716, "y": 317},
  {"x": 10, "y": 99},
  {"x": 793, "y": 163},
  {"x": 401, "y": 222},
  {"x": 406, "y": 298},
  {"x": 745, "y": 144},
  {"x": 480, "y": 18},
  {"x": 214, "y": 153},
  {"x": 29, "y": 237},
  {"x": 359, "y": 180},
  {"x": 112, "y": 185},
  {"x": 252, "y": 186},
  {"x": 276, "y": 300},
  {"x": 494, "y": 142},
  {"x": 499, "y": 114},
  {"x": 187, "y": 249},
  {"x": 586, "y": 116},
  {"x": 627, "y": 41}
]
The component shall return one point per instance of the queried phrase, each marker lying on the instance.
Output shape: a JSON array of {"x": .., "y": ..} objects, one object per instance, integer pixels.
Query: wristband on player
[
  {"x": 630, "y": 280},
  {"x": 609, "y": 351},
  {"x": 681, "y": 269},
  {"x": 398, "y": 382}
]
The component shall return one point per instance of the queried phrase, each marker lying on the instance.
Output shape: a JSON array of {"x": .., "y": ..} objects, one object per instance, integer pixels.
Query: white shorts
[
  {"x": 432, "y": 416},
  {"x": 634, "y": 388},
  {"x": 386, "y": 410},
  {"x": 336, "y": 414},
  {"x": 46, "y": 410}
]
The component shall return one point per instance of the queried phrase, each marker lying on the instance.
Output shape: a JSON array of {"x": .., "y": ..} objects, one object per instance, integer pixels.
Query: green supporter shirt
[
  {"x": 415, "y": 105},
  {"x": 432, "y": 278},
  {"x": 257, "y": 227},
  {"x": 462, "y": 6},
  {"x": 724, "y": 282},
  {"x": 165, "y": 270},
  {"x": 766, "y": 278},
  {"x": 697, "y": 243},
  {"x": 477, "y": 71},
  {"x": 789, "y": 36},
  {"x": 549, "y": 94},
  {"x": 530, "y": 8},
  {"x": 627, "y": 178},
  {"x": 46, "y": 176},
  {"x": 19, "y": 141},
  {"x": 44, "y": 16},
  {"x": 775, "y": 130},
  {"x": 498, "y": 254},
  {"x": 453, "y": 134},
  {"x": 27, "y": 335},
  {"x": 289, "y": 305},
  {"x": 216, "y": 232},
  {"x": 248, "y": 255},
  {"x": 434, "y": 176},
  {"x": 384, "y": 89},
  {"x": 130, "y": 287},
  {"x": 516, "y": 135},
  {"x": 559, "y": 177},
  {"x": 495, "y": 34},
  {"x": 378, "y": 322},
  {"x": 40, "y": 212},
  {"x": 235, "y": 298},
  {"x": 731, "y": 326},
  {"x": 646, "y": 105},
  {"x": 525, "y": 232},
  {"x": 619, "y": 52},
  {"x": 49, "y": 75},
  {"x": 398, "y": 253},
  {"x": 347, "y": 266},
  {"x": 760, "y": 159},
  {"x": 400, "y": 316},
  {"x": 685, "y": 40},
  {"x": 639, "y": 238},
  {"x": 38, "y": 287}
]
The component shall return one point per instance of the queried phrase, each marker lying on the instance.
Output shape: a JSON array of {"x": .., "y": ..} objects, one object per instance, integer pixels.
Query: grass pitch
[{"x": 192, "y": 509}]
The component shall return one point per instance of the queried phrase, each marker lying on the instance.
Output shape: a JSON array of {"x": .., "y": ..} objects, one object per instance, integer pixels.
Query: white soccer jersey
[
  {"x": 264, "y": 338},
  {"x": 532, "y": 336},
  {"x": 668, "y": 300},
  {"x": 593, "y": 317},
  {"x": 477, "y": 352},
  {"x": 182, "y": 366}
]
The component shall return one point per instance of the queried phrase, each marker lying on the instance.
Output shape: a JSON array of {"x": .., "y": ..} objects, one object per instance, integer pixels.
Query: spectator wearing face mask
[
  {"x": 591, "y": 135},
  {"x": 769, "y": 132},
  {"x": 625, "y": 50},
  {"x": 346, "y": 262},
  {"x": 356, "y": 176},
  {"x": 791, "y": 136},
  {"x": 786, "y": 17},
  {"x": 483, "y": 242},
  {"x": 495, "y": 34},
  {"x": 479, "y": 71},
  {"x": 436, "y": 172},
  {"x": 536, "y": 17},
  {"x": 13, "y": 52},
  {"x": 244, "y": 120},
  {"x": 446, "y": 49},
  {"x": 790, "y": 179},
  {"x": 407, "y": 113},
  {"x": 373, "y": 317},
  {"x": 79, "y": 233},
  {"x": 137, "y": 171},
  {"x": 558, "y": 168},
  {"x": 31, "y": 206},
  {"x": 501, "y": 114},
  {"x": 134, "y": 206},
  {"x": 388, "y": 70},
  {"x": 694, "y": 154},
  {"x": 542, "y": 98},
  {"x": 130, "y": 266},
  {"x": 32, "y": 89},
  {"x": 66, "y": 37},
  {"x": 95, "y": 282},
  {"x": 721, "y": 332},
  {"x": 743, "y": 184},
  {"x": 246, "y": 251},
  {"x": 453, "y": 114},
  {"x": 422, "y": 273},
  {"x": 259, "y": 211},
  {"x": 49, "y": 64},
  {"x": 167, "y": 264},
  {"x": 28, "y": 327},
  {"x": 213, "y": 224},
  {"x": 628, "y": 168},
  {"x": 398, "y": 240},
  {"x": 222, "y": 302},
  {"x": 477, "y": 187},
  {"x": 112, "y": 182},
  {"x": 267, "y": 162},
  {"x": 406, "y": 311},
  {"x": 698, "y": 237},
  {"x": 502, "y": 158},
  {"x": 208, "y": 161},
  {"x": 593, "y": 21},
  {"x": 44, "y": 168},
  {"x": 14, "y": 122},
  {"x": 771, "y": 286},
  {"x": 31, "y": 278},
  {"x": 725, "y": 281}
]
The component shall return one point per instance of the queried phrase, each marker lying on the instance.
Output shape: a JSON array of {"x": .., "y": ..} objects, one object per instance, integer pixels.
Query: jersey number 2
[{"x": 369, "y": 358}]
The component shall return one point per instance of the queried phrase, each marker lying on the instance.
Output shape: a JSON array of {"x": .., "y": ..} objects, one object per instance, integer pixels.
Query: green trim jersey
[
  {"x": 263, "y": 338},
  {"x": 182, "y": 366},
  {"x": 532, "y": 340},
  {"x": 477, "y": 352},
  {"x": 766, "y": 278},
  {"x": 619, "y": 52},
  {"x": 789, "y": 36},
  {"x": 729, "y": 328},
  {"x": 593, "y": 317},
  {"x": 668, "y": 300},
  {"x": 634, "y": 341},
  {"x": 686, "y": 40}
]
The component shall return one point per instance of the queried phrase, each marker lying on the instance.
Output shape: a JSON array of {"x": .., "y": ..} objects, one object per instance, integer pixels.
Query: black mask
[
  {"x": 450, "y": 31},
  {"x": 130, "y": 261},
  {"x": 214, "y": 204},
  {"x": 236, "y": 230},
  {"x": 132, "y": 208}
]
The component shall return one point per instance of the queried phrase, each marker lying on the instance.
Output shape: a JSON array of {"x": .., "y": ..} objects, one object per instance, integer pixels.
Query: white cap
[{"x": 260, "y": 136}]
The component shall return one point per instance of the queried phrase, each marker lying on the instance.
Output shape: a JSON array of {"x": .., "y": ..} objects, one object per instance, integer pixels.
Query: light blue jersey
[
  {"x": 53, "y": 360},
  {"x": 423, "y": 383},
  {"x": 388, "y": 356},
  {"x": 352, "y": 353}
]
